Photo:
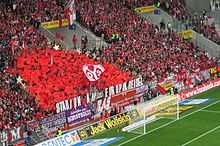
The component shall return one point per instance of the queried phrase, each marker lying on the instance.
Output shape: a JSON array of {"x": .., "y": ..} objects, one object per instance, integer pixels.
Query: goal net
[{"x": 162, "y": 110}]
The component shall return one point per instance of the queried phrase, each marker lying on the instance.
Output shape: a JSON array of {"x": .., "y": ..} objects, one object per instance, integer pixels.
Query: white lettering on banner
[
  {"x": 68, "y": 104},
  {"x": 106, "y": 92},
  {"x": 103, "y": 103},
  {"x": 78, "y": 102},
  {"x": 123, "y": 87},
  {"x": 131, "y": 84},
  {"x": 3, "y": 136},
  {"x": 63, "y": 140},
  {"x": 111, "y": 91},
  {"x": 79, "y": 115},
  {"x": 88, "y": 98},
  {"x": 118, "y": 88},
  {"x": 199, "y": 89},
  {"x": 73, "y": 103},
  {"x": 15, "y": 134},
  {"x": 12, "y": 134}
]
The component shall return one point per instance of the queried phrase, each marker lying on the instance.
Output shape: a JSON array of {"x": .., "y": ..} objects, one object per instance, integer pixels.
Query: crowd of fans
[
  {"x": 176, "y": 8},
  {"x": 141, "y": 48},
  {"x": 20, "y": 20},
  {"x": 199, "y": 22}
]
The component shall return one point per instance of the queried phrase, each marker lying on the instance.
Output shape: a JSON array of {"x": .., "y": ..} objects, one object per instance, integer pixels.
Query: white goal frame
[
  {"x": 158, "y": 108},
  {"x": 148, "y": 111}
]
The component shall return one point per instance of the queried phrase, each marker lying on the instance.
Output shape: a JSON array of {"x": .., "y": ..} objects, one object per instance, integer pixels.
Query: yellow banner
[
  {"x": 160, "y": 104},
  {"x": 52, "y": 24},
  {"x": 187, "y": 34},
  {"x": 55, "y": 24},
  {"x": 145, "y": 9},
  {"x": 167, "y": 86},
  {"x": 64, "y": 22}
]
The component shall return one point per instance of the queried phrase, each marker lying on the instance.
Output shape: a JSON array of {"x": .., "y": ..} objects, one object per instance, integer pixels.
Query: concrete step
[
  {"x": 217, "y": 26},
  {"x": 37, "y": 137}
]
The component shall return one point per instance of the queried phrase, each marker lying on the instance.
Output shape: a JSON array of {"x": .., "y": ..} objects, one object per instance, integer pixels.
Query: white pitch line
[
  {"x": 210, "y": 111},
  {"x": 170, "y": 122},
  {"x": 139, "y": 133},
  {"x": 201, "y": 136}
]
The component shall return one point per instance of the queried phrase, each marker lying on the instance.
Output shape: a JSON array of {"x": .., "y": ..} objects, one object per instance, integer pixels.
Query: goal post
[
  {"x": 165, "y": 107},
  {"x": 161, "y": 108}
]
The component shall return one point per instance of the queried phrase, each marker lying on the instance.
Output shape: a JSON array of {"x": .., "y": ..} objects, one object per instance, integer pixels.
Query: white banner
[{"x": 63, "y": 140}]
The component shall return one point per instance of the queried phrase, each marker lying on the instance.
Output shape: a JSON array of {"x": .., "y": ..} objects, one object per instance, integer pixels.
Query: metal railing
[
  {"x": 199, "y": 40},
  {"x": 52, "y": 37}
]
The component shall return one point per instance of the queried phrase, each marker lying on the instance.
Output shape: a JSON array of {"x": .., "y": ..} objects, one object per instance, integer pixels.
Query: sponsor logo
[
  {"x": 117, "y": 121},
  {"x": 75, "y": 136},
  {"x": 110, "y": 123},
  {"x": 95, "y": 129},
  {"x": 82, "y": 133},
  {"x": 165, "y": 114},
  {"x": 199, "y": 89},
  {"x": 181, "y": 108},
  {"x": 63, "y": 140},
  {"x": 64, "y": 22},
  {"x": 105, "y": 125},
  {"x": 98, "y": 142}
]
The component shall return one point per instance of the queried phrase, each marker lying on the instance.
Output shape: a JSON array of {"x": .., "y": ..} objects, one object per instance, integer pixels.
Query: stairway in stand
[
  {"x": 37, "y": 137},
  {"x": 217, "y": 27}
]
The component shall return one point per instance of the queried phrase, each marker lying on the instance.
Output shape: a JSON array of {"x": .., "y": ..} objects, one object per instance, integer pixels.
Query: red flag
[
  {"x": 13, "y": 44},
  {"x": 70, "y": 12},
  {"x": 161, "y": 89},
  {"x": 66, "y": 11}
]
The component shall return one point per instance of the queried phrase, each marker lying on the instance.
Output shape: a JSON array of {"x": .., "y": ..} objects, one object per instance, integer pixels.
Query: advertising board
[
  {"x": 102, "y": 126},
  {"x": 199, "y": 89},
  {"x": 63, "y": 140}
]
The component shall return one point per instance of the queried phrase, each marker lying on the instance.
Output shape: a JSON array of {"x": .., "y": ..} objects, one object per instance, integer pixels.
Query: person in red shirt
[
  {"x": 75, "y": 40},
  {"x": 107, "y": 114},
  {"x": 102, "y": 117}
]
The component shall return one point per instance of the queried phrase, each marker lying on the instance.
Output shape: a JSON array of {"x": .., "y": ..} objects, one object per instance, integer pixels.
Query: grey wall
[
  {"x": 205, "y": 44},
  {"x": 198, "y": 5}
]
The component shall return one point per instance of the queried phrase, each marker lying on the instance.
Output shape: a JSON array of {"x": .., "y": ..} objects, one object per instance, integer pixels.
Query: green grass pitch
[{"x": 199, "y": 126}]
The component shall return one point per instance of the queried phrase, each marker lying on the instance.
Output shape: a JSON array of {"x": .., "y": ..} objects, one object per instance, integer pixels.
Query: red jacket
[{"x": 75, "y": 40}]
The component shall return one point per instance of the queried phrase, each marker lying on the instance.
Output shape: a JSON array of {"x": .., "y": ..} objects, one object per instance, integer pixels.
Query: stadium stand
[
  {"x": 198, "y": 22},
  {"x": 160, "y": 48},
  {"x": 140, "y": 48},
  {"x": 18, "y": 29}
]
